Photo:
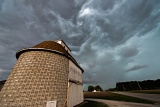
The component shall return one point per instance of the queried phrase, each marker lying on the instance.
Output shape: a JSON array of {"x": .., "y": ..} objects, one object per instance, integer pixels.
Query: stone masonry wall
[{"x": 37, "y": 77}]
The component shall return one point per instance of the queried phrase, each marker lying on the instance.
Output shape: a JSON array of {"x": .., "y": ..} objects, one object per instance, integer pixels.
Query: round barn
[{"x": 45, "y": 75}]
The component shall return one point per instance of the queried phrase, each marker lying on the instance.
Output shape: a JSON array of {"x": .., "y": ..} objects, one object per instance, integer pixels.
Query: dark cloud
[
  {"x": 104, "y": 36},
  {"x": 128, "y": 51},
  {"x": 136, "y": 67},
  {"x": 61, "y": 7},
  {"x": 4, "y": 74}
]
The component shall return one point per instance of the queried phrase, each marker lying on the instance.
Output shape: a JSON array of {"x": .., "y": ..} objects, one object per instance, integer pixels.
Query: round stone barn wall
[{"x": 37, "y": 77}]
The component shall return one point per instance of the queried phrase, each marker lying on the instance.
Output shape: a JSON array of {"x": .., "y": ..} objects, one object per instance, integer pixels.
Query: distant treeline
[{"x": 138, "y": 85}]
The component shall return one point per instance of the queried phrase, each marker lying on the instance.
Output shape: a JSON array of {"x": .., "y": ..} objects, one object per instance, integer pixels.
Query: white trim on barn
[{"x": 64, "y": 45}]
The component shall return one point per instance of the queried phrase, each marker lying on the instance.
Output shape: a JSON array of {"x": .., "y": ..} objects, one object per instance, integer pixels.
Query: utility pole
[
  {"x": 139, "y": 86},
  {"x": 123, "y": 87}
]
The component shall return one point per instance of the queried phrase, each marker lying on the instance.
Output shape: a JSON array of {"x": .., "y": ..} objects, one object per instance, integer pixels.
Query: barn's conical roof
[{"x": 52, "y": 46}]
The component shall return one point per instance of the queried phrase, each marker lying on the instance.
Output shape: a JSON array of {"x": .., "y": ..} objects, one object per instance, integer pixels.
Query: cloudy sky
[{"x": 113, "y": 40}]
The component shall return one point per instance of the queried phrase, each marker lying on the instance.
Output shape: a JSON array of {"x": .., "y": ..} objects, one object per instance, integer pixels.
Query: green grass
[
  {"x": 147, "y": 91},
  {"x": 94, "y": 104},
  {"x": 114, "y": 96}
]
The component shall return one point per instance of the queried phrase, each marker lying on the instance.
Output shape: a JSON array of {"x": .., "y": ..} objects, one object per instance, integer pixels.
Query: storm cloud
[
  {"x": 107, "y": 38},
  {"x": 136, "y": 67}
]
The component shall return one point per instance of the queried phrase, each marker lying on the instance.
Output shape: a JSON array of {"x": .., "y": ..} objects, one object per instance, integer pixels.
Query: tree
[
  {"x": 90, "y": 88},
  {"x": 98, "y": 88}
]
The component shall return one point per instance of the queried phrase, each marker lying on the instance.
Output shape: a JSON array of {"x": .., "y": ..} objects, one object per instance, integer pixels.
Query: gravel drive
[{"x": 112, "y": 103}]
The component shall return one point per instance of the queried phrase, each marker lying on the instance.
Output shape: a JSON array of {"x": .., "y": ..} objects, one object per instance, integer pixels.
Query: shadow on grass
[
  {"x": 114, "y": 96},
  {"x": 94, "y": 104}
]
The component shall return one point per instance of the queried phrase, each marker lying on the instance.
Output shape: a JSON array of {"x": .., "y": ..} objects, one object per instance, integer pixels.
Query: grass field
[
  {"x": 94, "y": 104},
  {"x": 114, "y": 96},
  {"x": 147, "y": 91}
]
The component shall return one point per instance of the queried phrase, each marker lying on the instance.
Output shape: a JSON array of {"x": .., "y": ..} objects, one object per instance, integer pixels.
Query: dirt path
[
  {"x": 151, "y": 97},
  {"x": 112, "y": 103}
]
